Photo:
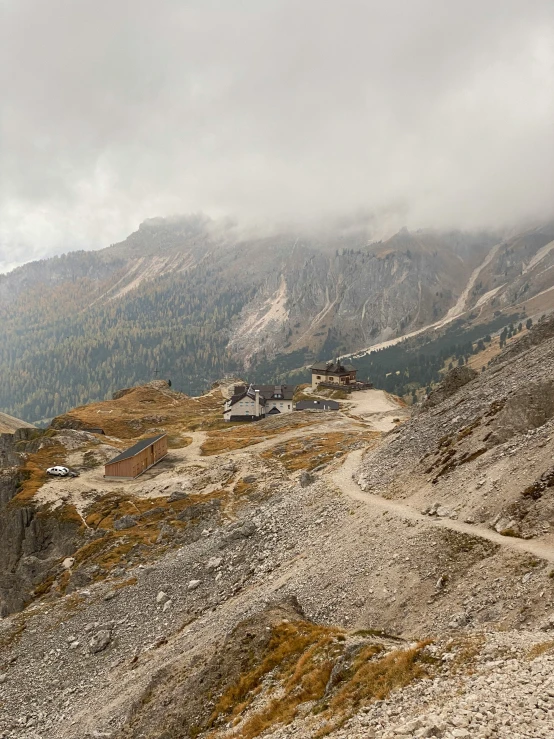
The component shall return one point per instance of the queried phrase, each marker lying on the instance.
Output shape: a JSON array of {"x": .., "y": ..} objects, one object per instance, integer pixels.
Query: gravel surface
[{"x": 426, "y": 540}]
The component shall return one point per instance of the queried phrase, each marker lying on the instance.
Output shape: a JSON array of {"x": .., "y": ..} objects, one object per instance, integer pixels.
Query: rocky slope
[
  {"x": 248, "y": 586},
  {"x": 194, "y": 299}
]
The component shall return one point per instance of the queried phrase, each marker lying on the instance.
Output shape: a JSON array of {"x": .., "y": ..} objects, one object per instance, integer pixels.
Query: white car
[{"x": 60, "y": 471}]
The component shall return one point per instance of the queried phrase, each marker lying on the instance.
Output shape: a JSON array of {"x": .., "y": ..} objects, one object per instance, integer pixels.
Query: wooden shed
[{"x": 137, "y": 459}]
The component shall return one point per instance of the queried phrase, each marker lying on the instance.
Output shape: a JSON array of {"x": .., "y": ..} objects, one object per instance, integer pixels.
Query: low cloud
[{"x": 437, "y": 111}]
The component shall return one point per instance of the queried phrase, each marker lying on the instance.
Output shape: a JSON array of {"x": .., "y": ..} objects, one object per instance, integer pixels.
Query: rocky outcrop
[
  {"x": 32, "y": 544},
  {"x": 13, "y": 445},
  {"x": 32, "y": 540},
  {"x": 188, "y": 691},
  {"x": 481, "y": 451},
  {"x": 453, "y": 381},
  {"x": 530, "y": 407}
]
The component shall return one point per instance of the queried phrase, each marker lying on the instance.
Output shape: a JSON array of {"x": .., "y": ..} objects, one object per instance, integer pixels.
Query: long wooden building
[{"x": 137, "y": 459}]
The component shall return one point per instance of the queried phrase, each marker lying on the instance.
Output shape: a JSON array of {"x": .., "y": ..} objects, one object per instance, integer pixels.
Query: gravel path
[{"x": 344, "y": 476}]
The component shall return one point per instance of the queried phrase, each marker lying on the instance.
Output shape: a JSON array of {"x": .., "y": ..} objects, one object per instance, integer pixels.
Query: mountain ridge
[
  {"x": 9, "y": 424},
  {"x": 194, "y": 299}
]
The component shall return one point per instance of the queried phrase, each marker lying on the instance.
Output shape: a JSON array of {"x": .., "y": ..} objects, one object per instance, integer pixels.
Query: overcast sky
[{"x": 113, "y": 111}]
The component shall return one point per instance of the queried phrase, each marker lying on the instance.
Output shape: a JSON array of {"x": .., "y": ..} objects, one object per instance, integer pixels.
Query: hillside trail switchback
[{"x": 344, "y": 480}]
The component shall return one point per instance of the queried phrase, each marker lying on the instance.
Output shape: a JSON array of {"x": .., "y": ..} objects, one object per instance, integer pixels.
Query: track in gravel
[{"x": 343, "y": 479}]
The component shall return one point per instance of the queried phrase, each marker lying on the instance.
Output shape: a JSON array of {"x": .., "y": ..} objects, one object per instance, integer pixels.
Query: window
[
  {"x": 288, "y": 406},
  {"x": 319, "y": 377}
]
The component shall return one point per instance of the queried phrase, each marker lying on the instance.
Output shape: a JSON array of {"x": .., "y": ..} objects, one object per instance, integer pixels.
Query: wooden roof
[{"x": 136, "y": 449}]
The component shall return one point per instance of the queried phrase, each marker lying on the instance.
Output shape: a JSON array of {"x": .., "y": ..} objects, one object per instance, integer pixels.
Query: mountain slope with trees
[{"x": 191, "y": 299}]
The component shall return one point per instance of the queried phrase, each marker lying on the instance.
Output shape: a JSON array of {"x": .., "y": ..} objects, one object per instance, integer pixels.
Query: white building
[{"x": 258, "y": 401}]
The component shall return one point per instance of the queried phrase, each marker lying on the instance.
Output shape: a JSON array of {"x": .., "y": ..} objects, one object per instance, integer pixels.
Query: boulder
[
  {"x": 214, "y": 563},
  {"x": 178, "y": 495},
  {"x": 530, "y": 407},
  {"x": 100, "y": 641},
  {"x": 507, "y": 527},
  {"x": 241, "y": 531},
  {"x": 125, "y": 522},
  {"x": 306, "y": 479}
]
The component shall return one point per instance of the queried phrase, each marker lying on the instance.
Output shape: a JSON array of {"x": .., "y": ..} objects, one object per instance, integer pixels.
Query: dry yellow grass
[
  {"x": 300, "y": 654},
  {"x": 34, "y": 469},
  {"x": 113, "y": 547},
  {"x": 311, "y": 451},
  {"x": 466, "y": 649},
  {"x": 373, "y": 678},
  {"x": 145, "y": 408},
  {"x": 477, "y": 361},
  {"x": 299, "y": 393},
  {"x": 126, "y": 583},
  {"x": 543, "y": 648},
  {"x": 299, "y": 660},
  {"x": 247, "y": 434}
]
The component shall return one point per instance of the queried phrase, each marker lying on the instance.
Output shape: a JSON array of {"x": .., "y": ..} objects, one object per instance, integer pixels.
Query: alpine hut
[{"x": 137, "y": 459}]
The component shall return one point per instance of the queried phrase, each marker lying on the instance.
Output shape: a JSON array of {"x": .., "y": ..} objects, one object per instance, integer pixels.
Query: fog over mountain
[{"x": 423, "y": 113}]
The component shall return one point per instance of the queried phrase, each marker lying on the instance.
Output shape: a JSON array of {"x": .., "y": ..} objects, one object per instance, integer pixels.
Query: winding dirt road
[{"x": 343, "y": 478}]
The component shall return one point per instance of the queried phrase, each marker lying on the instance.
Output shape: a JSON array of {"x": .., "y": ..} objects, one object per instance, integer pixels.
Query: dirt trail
[
  {"x": 376, "y": 408},
  {"x": 343, "y": 479},
  {"x": 192, "y": 451}
]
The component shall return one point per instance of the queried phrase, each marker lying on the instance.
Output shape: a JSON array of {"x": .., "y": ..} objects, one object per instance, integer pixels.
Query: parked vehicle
[{"x": 60, "y": 471}]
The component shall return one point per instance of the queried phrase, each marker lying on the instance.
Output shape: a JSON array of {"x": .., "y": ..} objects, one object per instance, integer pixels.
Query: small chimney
[{"x": 257, "y": 404}]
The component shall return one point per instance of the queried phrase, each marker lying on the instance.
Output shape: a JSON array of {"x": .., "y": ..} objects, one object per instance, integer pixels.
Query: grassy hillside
[{"x": 52, "y": 360}]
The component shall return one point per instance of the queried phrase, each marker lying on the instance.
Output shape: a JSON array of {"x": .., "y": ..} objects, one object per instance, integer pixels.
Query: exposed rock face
[
  {"x": 333, "y": 290},
  {"x": 11, "y": 445},
  {"x": 177, "y": 696},
  {"x": 125, "y": 522},
  {"x": 482, "y": 448},
  {"x": 528, "y": 408},
  {"x": 100, "y": 641},
  {"x": 453, "y": 381},
  {"x": 32, "y": 542},
  {"x": 183, "y": 636}
]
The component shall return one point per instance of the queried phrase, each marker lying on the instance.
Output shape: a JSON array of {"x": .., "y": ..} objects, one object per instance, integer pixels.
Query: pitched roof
[
  {"x": 267, "y": 392},
  {"x": 134, "y": 450},
  {"x": 284, "y": 392},
  {"x": 334, "y": 368}
]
